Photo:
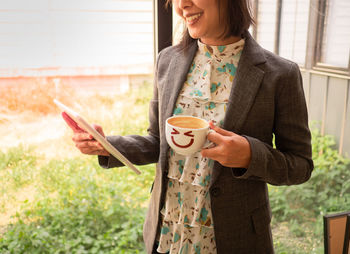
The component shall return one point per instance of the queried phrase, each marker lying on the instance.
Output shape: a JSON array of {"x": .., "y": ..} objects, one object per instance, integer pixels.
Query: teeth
[{"x": 190, "y": 19}]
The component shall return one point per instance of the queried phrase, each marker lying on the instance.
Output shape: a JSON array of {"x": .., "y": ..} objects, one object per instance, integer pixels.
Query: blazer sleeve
[
  {"x": 290, "y": 162},
  {"x": 140, "y": 150}
]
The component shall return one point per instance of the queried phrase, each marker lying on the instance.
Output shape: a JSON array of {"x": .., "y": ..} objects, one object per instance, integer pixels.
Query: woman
[{"x": 216, "y": 201}]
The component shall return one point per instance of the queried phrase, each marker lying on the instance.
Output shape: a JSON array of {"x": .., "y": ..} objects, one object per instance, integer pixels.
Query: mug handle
[{"x": 208, "y": 144}]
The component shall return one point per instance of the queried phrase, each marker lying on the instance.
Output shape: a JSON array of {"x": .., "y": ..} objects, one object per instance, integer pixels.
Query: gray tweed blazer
[{"x": 267, "y": 99}]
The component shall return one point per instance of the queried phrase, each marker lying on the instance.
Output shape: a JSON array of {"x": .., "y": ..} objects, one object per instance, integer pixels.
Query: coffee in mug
[
  {"x": 186, "y": 134},
  {"x": 188, "y": 122}
]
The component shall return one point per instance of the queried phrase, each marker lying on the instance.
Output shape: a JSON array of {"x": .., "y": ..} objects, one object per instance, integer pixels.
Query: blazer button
[{"x": 215, "y": 192}]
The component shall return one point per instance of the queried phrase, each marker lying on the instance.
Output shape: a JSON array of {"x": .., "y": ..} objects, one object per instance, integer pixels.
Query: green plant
[
  {"x": 328, "y": 190},
  {"x": 82, "y": 208},
  {"x": 14, "y": 166}
]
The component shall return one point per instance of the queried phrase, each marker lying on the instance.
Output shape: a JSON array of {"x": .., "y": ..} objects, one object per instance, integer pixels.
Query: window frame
[
  {"x": 163, "y": 20},
  {"x": 327, "y": 219}
]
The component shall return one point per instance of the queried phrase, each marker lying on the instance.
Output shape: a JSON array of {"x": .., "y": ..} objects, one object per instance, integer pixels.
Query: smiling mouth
[
  {"x": 193, "y": 19},
  {"x": 182, "y": 146}
]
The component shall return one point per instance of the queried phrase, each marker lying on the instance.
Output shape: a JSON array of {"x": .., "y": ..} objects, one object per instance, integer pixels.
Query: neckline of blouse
[{"x": 221, "y": 52}]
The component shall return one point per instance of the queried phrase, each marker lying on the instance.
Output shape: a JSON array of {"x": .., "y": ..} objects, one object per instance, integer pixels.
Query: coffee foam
[{"x": 188, "y": 122}]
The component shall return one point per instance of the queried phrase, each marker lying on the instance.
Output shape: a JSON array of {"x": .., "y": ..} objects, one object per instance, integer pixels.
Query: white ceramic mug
[{"x": 186, "y": 134}]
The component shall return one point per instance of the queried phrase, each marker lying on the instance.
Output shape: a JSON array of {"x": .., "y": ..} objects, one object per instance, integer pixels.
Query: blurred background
[{"x": 97, "y": 56}]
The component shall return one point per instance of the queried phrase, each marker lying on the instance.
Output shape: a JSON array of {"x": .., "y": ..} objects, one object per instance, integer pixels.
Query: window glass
[
  {"x": 293, "y": 31},
  {"x": 336, "y": 37},
  {"x": 266, "y": 23}
]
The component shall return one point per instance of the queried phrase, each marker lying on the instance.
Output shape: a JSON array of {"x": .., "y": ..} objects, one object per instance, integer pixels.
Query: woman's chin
[{"x": 194, "y": 35}]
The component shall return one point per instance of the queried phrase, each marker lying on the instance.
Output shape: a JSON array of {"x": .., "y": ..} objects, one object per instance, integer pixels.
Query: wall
[{"x": 327, "y": 96}]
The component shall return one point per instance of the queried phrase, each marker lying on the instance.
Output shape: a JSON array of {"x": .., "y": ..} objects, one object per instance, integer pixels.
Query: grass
[
  {"x": 77, "y": 207},
  {"x": 64, "y": 202}
]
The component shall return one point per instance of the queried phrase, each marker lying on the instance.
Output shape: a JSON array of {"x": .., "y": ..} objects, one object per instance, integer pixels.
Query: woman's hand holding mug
[{"x": 230, "y": 150}]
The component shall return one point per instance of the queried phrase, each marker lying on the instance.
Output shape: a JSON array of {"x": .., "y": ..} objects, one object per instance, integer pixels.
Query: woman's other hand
[
  {"x": 231, "y": 150},
  {"x": 83, "y": 140},
  {"x": 87, "y": 144}
]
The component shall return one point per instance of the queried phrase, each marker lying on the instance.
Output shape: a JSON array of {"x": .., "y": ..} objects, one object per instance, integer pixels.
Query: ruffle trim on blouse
[
  {"x": 194, "y": 170},
  {"x": 188, "y": 199},
  {"x": 197, "y": 85},
  {"x": 178, "y": 238},
  {"x": 187, "y": 204}
]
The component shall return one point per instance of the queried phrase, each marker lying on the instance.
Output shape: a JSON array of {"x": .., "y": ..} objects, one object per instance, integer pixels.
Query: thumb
[
  {"x": 99, "y": 129},
  {"x": 220, "y": 130}
]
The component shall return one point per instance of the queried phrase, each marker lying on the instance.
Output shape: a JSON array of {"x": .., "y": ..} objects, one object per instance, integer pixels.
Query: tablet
[{"x": 80, "y": 122}]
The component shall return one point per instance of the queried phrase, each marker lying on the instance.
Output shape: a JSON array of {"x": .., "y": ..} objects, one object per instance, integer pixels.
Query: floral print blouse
[{"x": 187, "y": 224}]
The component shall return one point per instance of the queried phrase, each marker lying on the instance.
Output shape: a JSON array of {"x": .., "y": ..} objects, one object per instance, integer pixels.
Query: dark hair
[{"x": 238, "y": 15}]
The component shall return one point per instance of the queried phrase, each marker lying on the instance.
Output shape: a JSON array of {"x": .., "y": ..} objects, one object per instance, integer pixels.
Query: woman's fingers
[
  {"x": 215, "y": 137},
  {"x": 231, "y": 150},
  {"x": 81, "y": 136},
  {"x": 212, "y": 153},
  {"x": 91, "y": 144},
  {"x": 99, "y": 129},
  {"x": 220, "y": 130},
  {"x": 218, "y": 135},
  {"x": 91, "y": 147},
  {"x": 87, "y": 144}
]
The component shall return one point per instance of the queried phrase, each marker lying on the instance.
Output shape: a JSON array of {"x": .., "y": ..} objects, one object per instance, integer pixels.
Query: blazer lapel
[
  {"x": 245, "y": 86},
  {"x": 180, "y": 65}
]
